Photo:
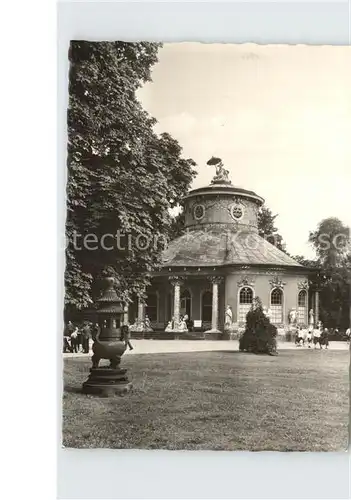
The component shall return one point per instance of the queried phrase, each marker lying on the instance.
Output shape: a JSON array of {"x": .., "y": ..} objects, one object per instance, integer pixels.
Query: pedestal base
[{"x": 107, "y": 382}]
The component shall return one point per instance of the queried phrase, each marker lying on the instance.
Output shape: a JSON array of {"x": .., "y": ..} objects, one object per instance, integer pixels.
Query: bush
[{"x": 260, "y": 335}]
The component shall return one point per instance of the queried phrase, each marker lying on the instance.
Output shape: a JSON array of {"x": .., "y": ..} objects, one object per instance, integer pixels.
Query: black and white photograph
[{"x": 207, "y": 283}]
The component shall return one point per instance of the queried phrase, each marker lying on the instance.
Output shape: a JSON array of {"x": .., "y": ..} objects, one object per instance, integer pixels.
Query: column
[
  {"x": 216, "y": 280},
  {"x": 140, "y": 320},
  {"x": 316, "y": 302},
  {"x": 176, "y": 283}
]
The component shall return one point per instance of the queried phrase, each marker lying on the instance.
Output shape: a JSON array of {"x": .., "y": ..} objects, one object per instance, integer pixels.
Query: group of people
[
  {"x": 76, "y": 338},
  {"x": 185, "y": 324},
  {"x": 316, "y": 336}
]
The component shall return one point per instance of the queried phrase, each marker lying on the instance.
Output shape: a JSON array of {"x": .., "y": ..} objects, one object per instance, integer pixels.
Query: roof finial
[{"x": 222, "y": 175}]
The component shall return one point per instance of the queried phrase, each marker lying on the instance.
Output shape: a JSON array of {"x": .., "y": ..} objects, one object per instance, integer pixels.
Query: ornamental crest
[
  {"x": 275, "y": 270},
  {"x": 276, "y": 282},
  {"x": 303, "y": 285},
  {"x": 246, "y": 281}
]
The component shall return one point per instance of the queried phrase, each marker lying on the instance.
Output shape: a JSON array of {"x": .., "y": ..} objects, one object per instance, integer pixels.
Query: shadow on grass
[{"x": 73, "y": 390}]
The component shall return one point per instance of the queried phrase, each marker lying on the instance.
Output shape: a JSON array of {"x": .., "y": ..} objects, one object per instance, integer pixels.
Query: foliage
[
  {"x": 266, "y": 227},
  {"x": 260, "y": 335},
  {"x": 197, "y": 391},
  {"x": 122, "y": 177},
  {"x": 331, "y": 241},
  {"x": 214, "y": 161}
]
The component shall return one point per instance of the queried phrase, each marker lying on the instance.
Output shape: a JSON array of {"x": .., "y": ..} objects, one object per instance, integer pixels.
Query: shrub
[{"x": 260, "y": 335}]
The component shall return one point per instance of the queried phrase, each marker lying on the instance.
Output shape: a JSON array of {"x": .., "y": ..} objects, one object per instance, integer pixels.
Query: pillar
[
  {"x": 316, "y": 303},
  {"x": 216, "y": 280},
  {"x": 126, "y": 315},
  {"x": 176, "y": 283}
]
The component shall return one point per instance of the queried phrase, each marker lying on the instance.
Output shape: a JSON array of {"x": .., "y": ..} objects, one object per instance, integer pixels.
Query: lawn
[{"x": 297, "y": 401}]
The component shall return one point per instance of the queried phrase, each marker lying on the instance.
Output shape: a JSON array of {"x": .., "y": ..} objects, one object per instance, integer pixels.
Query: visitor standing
[
  {"x": 324, "y": 340},
  {"x": 125, "y": 336},
  {"x": 86, "y": 334},
  {"x": 80, "y": 336},
  {"x": 348, "y": 334},
  {"x": 317, "y": 338},
  {"x": 74, "y": 340}
]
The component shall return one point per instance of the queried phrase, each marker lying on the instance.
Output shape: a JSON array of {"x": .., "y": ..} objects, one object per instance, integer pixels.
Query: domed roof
[
  {"x": 199, "y": 248},
  {"x": 221, "y": 229},
  {"x": 225, "y": 189}
]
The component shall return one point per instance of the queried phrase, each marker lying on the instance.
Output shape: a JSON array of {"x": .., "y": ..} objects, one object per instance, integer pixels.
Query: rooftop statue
[{"x": 222, "y": 175}]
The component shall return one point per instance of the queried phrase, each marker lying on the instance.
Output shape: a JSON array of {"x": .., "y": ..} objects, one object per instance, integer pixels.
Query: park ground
[{"x": 217, "y": 399}]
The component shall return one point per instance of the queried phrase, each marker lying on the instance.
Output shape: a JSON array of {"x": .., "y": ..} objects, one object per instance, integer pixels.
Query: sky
[{"x": 279, "y": 116}]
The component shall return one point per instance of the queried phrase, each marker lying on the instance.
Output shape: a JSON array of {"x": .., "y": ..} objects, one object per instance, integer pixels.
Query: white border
[{"x": 155, "y": 474}]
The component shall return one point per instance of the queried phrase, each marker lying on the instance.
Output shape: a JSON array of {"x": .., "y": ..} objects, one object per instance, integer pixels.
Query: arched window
[
  {"x": 302, "y": 307},
  {"x": 185, "y": 303},
  {"x": 276, "y": 306},
  {"x": 207, "y": 306},
  {"x": 245, "y": 302},
  {"x": 152, "y": 306}
]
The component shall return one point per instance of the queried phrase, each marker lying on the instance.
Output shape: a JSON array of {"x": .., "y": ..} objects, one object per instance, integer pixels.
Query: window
[
  {"x": 199, "y": 212},
  {"x": 245, "y": 302},
  {"x": 302, "y": 308},
  {"x": 151, "y": 306},
  {"x": 207, "y": 306},
  {"x": 185, "y": 303},
  {"x": 276, "y": 306}
]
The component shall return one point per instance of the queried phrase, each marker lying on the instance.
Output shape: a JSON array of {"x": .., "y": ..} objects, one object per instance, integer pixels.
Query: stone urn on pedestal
[{"x": 108, "y": 344}]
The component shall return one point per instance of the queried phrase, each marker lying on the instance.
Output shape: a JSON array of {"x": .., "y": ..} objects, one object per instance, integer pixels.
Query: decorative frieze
[
  {"x": 215, "y": 279},
  {"x": 246, "y": 281},
  {"x": 176, "y": 280},
  {"x": 274, "y": 271},
  {"x": 276, "y": 282}
]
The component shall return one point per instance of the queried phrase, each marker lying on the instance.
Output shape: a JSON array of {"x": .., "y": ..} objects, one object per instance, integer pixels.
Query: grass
[{"x": 297, "y": 401}]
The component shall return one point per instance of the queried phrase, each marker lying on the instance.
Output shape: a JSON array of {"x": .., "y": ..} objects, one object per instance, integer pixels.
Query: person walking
[
  {"x": 324, "y": 341},
  {"x": 74, "y": 340},
  {"x": 86, "y": 334},
  {"x": 95, "y": 331},
  {"x": 309, "y": 336}
]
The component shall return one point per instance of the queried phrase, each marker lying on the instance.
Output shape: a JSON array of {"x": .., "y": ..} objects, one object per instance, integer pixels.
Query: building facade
[{"x": 221, "y": 261}]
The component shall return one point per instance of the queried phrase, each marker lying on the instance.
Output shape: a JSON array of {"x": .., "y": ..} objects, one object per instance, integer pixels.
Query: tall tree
[
  {"x": 267, "y": 229},
  {"x": 331, "y": 241},
  {"x": 122, "y": 176}
]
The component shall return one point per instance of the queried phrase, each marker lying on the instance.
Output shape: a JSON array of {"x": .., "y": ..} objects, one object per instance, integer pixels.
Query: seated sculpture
[
  {"x": 141, "y": 325},
  {"x": 222, "y": 175}
]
